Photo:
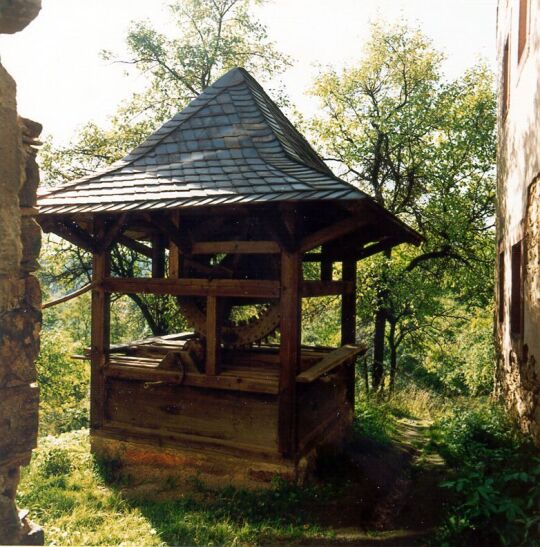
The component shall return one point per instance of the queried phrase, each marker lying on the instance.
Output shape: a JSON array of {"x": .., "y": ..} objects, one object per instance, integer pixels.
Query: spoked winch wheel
[{"x": 244, "y": 322}]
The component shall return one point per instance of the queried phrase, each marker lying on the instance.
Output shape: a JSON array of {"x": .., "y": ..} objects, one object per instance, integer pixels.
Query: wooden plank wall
[{"x": 246, "y": 420}]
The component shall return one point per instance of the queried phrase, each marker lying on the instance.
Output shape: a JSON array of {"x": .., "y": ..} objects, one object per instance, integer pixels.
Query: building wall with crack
[
  {"x": 517, "y": 326},
  {"x": 20, "y": 296}
]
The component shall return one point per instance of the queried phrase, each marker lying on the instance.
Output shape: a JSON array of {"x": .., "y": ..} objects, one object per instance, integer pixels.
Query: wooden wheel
[{"x": 243, "y": 322}]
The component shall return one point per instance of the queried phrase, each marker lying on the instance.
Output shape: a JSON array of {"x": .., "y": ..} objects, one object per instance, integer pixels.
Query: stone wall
[
  {"x": 518, "y": 214},
  {"x": 20, "y": 296}
]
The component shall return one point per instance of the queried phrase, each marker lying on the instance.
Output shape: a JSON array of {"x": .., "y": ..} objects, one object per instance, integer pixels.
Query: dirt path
[{"x": 391, "y": 495}]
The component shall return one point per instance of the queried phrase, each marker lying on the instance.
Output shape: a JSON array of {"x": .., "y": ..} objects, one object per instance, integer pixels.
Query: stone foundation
[{"x": 20, "y": 295}]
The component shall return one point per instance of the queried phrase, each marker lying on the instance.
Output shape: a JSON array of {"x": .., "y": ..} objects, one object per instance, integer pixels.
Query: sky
[{"x": 63, "y": 83}]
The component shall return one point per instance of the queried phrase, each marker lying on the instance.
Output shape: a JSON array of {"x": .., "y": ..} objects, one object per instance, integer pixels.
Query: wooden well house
[{"x": 229, "y": 201}]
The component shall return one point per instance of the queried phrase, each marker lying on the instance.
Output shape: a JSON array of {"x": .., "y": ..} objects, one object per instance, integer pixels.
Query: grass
[{"x": 66, "y": 493}]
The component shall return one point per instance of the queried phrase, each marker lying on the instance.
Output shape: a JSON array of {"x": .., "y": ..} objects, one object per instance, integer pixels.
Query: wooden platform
[{"x": 255, "y": 370}]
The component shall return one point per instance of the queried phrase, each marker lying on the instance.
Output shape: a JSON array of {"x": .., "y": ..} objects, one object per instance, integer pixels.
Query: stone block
[
  {"x": 16, "y": 14},
  {"x": 18, "y": 421},
  {"x": 28, "y": 191},
  {"x": 11, "y": 176},
  {"x": 31, "y": 244},
  {"x": 9, "y": 479},
  {"x": 19, "y": 335},
  {"x": 10, "y": 525}
]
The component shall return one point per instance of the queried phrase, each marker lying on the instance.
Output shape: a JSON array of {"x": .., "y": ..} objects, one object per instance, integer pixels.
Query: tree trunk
[
  {"x": 377, "y": 374},
  {"x": 156, "y": 328},
  {"x": 393, "y": 355},
  {"x": 377, "y": 371}
]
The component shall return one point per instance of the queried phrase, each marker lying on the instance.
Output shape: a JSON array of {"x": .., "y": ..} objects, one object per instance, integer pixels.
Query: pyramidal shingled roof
[{"x": 231, "y": 144}]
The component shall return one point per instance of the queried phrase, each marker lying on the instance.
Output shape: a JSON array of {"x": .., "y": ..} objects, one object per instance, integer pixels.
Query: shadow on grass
[{"x": 340, "y": 506}]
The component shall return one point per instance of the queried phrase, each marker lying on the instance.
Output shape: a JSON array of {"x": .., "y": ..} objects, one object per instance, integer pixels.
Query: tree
[
  {"x": 425, "y": 149},
  {"x": 212, "y": 37}
]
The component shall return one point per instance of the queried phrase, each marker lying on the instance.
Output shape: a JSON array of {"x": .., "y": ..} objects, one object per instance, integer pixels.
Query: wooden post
[
  {"x": 175, "y": 261},
  {"x": 100, "y": 331},
  {"x": 327, "y": 266},
  {"x": 158, "y": 257},
  {"x": 212, "y": 336},
  {"x": 348, "y": 322},
  {"x": 290, "y": 328}
]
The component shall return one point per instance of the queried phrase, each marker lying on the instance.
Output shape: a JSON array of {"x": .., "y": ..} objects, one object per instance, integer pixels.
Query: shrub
[
  {"x": 54, "y": 463},
  {"x": 496, "y": 480},
  {"x": 63, "y": 383}
]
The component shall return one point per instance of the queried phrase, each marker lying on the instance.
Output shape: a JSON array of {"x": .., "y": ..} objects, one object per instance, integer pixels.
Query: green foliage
[
  {"x": 464, "y": 364},
  {"x": 54, "y": 462},
  {"x": 496, "y": 479},
  {"x": 423, "y": 147},
  {"x": 63, "y": 383},
  {"x": 374, "y": 420}
]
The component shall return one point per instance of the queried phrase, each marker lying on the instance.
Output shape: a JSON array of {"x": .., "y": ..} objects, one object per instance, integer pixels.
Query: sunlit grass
[{"x": 67, "y": 495}]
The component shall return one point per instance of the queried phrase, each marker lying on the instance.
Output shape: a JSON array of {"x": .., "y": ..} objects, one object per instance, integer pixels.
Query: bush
[
  {"x": 54, "y": 463},
  {"x": 496, "y": 482},
  {"x": 63, "y": 383}
]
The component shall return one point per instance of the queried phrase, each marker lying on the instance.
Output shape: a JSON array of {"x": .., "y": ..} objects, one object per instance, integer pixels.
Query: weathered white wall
[{"x": 519, "y": 216}]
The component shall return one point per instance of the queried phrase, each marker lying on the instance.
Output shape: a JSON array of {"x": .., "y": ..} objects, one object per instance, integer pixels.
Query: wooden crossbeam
[
  {"x": 241, "y": 288},
  {"x": 326, "y": 288},
  {"x": 334, "y": 231},
  {"x": 235, "y": 247},
  {"x": 280, "y": 231},
  {"x": 135, "y": 245}
]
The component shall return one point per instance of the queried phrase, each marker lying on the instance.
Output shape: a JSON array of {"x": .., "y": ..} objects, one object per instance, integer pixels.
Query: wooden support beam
[
  {"x": 241, "y": 288},
  {"x": 72, "y": 232},
  {"x": 382, "y": 245},
  {"x": 67, "y": 297},
  {"x": 334, "y": 231},
  {"x": 100, "y": 330},
  {"x": 329, "y": 362},
  {"x": 235, "y": 247},
  {"x": 327, "y": 265},
  {"x": 326, "y": 288},
  {"x": 348, "y": 322},
  {"x": 158, "y": 256},
  {"x": 280, "y": 232},
  {"x": 135, "y": 245},
  {"x": 175, "y": 258},
  {"x": 113, "y": 232},
  {"x": 289, "y": 351},
  {"x": 212, "y": 336},
  {"x": 312, "y": 257},
  {"x": 169, "y": 228}
]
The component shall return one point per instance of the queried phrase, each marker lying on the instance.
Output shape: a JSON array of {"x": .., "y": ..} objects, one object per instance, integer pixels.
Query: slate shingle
[{"x": 231, "y": 144}]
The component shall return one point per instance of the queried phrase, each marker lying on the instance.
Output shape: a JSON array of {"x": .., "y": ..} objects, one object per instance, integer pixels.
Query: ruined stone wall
[
  {"x": 518, "y": 215},
  {"x": 20, "y": 296}
]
